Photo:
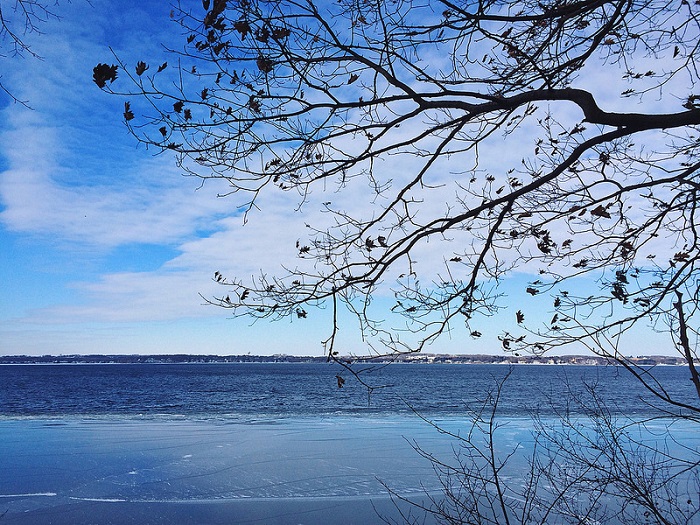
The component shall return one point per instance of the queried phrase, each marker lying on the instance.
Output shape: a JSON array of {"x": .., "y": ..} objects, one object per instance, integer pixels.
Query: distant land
[{"x": 283, "y": 358}]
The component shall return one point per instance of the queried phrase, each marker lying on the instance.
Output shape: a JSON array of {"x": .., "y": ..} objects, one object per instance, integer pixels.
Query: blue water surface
[{"x": 274, "y": 390}]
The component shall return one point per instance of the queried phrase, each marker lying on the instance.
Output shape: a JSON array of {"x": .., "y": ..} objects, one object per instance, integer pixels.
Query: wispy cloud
[
  {"x": 73, "y": 180},
  {"x": 72, "y": 172}
]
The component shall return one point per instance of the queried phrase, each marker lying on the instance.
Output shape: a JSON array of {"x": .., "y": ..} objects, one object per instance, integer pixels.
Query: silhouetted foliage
[
  {"x": 102, "y": 73},
  {"x": 281, "y": 95}
]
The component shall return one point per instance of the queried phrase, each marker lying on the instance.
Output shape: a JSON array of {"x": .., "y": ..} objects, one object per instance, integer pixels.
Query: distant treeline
[{"x": 283, "y": 358}]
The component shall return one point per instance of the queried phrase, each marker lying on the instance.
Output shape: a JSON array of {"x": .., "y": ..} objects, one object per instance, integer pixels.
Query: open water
[{"x": 286, "y": 390}]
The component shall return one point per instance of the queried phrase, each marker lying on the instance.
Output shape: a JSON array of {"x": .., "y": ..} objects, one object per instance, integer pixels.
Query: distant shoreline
[{"x": 479, "y": 359}]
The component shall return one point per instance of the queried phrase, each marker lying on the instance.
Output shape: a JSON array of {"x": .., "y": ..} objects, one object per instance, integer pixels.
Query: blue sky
[
  {"x": 104, "y": 245},
  {"x": 101, "y": 241}
]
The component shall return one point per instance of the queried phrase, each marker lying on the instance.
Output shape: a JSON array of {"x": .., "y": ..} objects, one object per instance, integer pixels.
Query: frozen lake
[
  {"x": 267, "y": 444},
  {"x": 310, "y": 471},
  {"x": 289, "y": 471}
]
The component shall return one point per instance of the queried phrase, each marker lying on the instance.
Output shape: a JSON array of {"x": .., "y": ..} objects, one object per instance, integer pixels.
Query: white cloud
[
  {"x": 72, "y": 173},
  {"x": 146, "y": 202}
]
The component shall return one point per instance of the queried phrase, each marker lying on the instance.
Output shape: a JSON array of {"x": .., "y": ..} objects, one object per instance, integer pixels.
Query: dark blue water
[{"x": 259, "y": 390}]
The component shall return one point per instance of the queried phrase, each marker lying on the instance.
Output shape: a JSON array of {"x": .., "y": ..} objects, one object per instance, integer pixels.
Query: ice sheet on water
[{"x": 187, "y": 462}]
